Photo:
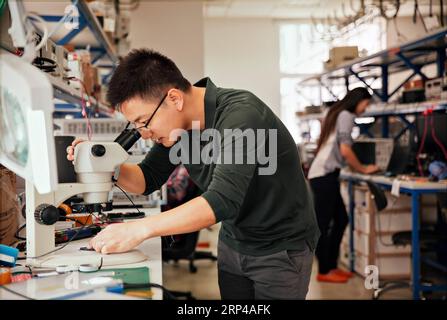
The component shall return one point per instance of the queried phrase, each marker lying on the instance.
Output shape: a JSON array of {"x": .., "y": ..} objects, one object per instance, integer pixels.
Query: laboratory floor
[{"x": 203, "y": 284}]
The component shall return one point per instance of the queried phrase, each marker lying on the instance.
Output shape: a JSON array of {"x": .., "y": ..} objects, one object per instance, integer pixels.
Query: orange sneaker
[
  {"x": 343, "y": 273},
  {"x": 332, "y": 277}
]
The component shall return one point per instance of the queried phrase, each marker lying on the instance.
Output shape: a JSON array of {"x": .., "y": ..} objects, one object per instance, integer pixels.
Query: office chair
[
  {"x": 428, "y": 239},
  {"x": 184, "y": 248},
  {"x": 181, "y": 247}
]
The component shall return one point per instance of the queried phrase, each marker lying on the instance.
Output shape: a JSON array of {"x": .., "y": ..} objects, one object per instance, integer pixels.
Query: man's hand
[
  {"x": 120, "y": 237},
  {"x": 70, "y": 149},
  {"x": 192, "y": 216}
]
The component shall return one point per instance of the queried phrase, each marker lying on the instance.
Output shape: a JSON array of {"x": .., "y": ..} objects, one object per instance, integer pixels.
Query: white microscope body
[{"x": 94, "y": 165}]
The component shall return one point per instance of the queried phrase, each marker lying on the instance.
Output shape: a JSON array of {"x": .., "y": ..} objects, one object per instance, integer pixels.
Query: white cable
[
  {"x": 44, "y": 27},
  {"x": 62, "y": 20},
  {"x": 65, "y": 268},
  {"x": 88, "y": 268},
  {"x": 47, "y": 35}
]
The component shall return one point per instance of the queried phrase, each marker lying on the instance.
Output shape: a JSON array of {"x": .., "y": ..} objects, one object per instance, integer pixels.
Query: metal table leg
[
  {"x": 415, "y": 248},
  {"x": 351, "y": 224}
]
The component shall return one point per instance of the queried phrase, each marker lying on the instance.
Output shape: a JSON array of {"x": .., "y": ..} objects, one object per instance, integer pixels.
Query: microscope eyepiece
[{"x": 127, "y": 138}]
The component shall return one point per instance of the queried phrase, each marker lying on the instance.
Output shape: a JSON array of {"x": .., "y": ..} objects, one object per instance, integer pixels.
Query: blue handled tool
[{"x": 8, "y": 256}]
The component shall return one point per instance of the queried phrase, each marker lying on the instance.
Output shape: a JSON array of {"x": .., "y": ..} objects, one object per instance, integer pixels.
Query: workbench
[
  {"x": 151, "y": 248},
  {"x": 415, "y": 188}
]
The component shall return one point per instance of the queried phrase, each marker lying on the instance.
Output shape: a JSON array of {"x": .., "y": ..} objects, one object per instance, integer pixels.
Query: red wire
[
  {"x": 83, "y": 105},
  {"x": 422, "y": 142},
  {"x": 433, "y": 134},
  {"x": 84, "y": 112}
]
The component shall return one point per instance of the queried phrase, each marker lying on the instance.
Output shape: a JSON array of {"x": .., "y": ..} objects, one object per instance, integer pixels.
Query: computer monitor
[
  {"x": 365, "y": 152},
  {"x": 374, "y": 151},
  {"x": 439, "y": 125},
  {"x": 401, "y": 160},
  {"x": 26, "y": 128}
]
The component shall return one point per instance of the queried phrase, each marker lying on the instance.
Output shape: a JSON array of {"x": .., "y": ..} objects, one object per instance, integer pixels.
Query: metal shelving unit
[
  {"x": 413, "y": 56},
  {"x": 88, "y": 34},
  {"x": 72, "y": 98}
]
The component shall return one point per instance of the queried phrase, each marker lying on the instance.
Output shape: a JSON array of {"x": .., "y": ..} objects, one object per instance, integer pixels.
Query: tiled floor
[{"x": 203, "y": 284}]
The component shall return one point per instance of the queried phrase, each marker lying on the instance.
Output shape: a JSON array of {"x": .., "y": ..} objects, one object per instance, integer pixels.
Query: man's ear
[{"x": 175, "y": 97}]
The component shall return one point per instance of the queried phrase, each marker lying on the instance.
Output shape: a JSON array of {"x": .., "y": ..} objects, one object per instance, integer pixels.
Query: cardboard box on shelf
[
  {"x": 340, "y": 55},
  {"x": 90, "y": 78}
]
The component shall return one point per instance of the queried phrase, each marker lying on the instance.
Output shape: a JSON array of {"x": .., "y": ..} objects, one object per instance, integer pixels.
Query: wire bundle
[{"x": 428, "y": 113}]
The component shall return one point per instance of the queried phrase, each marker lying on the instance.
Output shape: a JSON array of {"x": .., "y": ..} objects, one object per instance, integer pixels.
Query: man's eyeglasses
[{"x": 133, "y": 126}]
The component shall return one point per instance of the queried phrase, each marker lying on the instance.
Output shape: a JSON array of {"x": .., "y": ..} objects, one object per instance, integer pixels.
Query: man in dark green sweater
[{"x": 243, "y": 159}]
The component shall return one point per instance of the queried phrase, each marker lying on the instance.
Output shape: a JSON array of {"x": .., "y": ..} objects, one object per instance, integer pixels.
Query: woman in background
[{"x": 333, "y": 151}]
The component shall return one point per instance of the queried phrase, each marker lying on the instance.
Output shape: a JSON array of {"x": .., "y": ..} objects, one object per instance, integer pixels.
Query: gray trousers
[{"x": 280, "y": 276}]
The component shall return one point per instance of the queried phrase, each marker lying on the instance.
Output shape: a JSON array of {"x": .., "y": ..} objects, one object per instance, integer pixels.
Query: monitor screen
[
  {"x": 365, "y": 152},
  {"x": 13, "y": 133},
  {"x": 26, "y": 126}
]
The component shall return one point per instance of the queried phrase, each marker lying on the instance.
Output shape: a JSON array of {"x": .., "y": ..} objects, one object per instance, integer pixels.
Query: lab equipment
[
  {"x": 374, "y": 151},
  {"x": 27, "y": 148}
]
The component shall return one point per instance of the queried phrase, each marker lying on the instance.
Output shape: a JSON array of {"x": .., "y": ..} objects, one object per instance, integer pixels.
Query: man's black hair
[{"x": 146, "y": 74}]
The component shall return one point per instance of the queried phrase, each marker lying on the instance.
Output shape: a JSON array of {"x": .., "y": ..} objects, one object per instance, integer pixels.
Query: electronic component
[
  {"x": 86, "y": 232},
  {"x": 121, "y": 216},
  {"x": 49, "y": 51},
  {"x": 46, "y": 58},
  {"x": 414, "y": 91},
  {"x": 74, "y": 69},
  {"x": 416, "y": 95},
  {"x": 51, "y": 58},
  {"x": 62, "y": 62},
  {"x": 433, "y": 89},
  {"x": 374, "y": 151},
  {"x": 81, "y": 219}
]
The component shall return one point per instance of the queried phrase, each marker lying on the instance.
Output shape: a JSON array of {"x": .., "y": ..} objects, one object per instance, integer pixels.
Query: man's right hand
[
  {"x": 70, "y": 149},
  {"x": 371, "y": 168}
]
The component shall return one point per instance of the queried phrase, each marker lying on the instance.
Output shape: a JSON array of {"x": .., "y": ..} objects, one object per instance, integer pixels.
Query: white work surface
[
  {"x": 150, "y": 248},
  {"x": 412, "y": 184}
]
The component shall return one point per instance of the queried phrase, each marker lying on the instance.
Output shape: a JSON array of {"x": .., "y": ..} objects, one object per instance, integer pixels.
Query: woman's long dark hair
[{"x": 349, "y": 103}]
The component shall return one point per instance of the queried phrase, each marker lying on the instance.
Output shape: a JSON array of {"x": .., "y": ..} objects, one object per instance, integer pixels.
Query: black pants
[
  {"x": 332, "y": 219},
  {"x": 284, "y": 275}
]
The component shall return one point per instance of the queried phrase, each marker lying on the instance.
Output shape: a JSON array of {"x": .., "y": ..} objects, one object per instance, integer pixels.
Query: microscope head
[{"x": 95, "y": 163}]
